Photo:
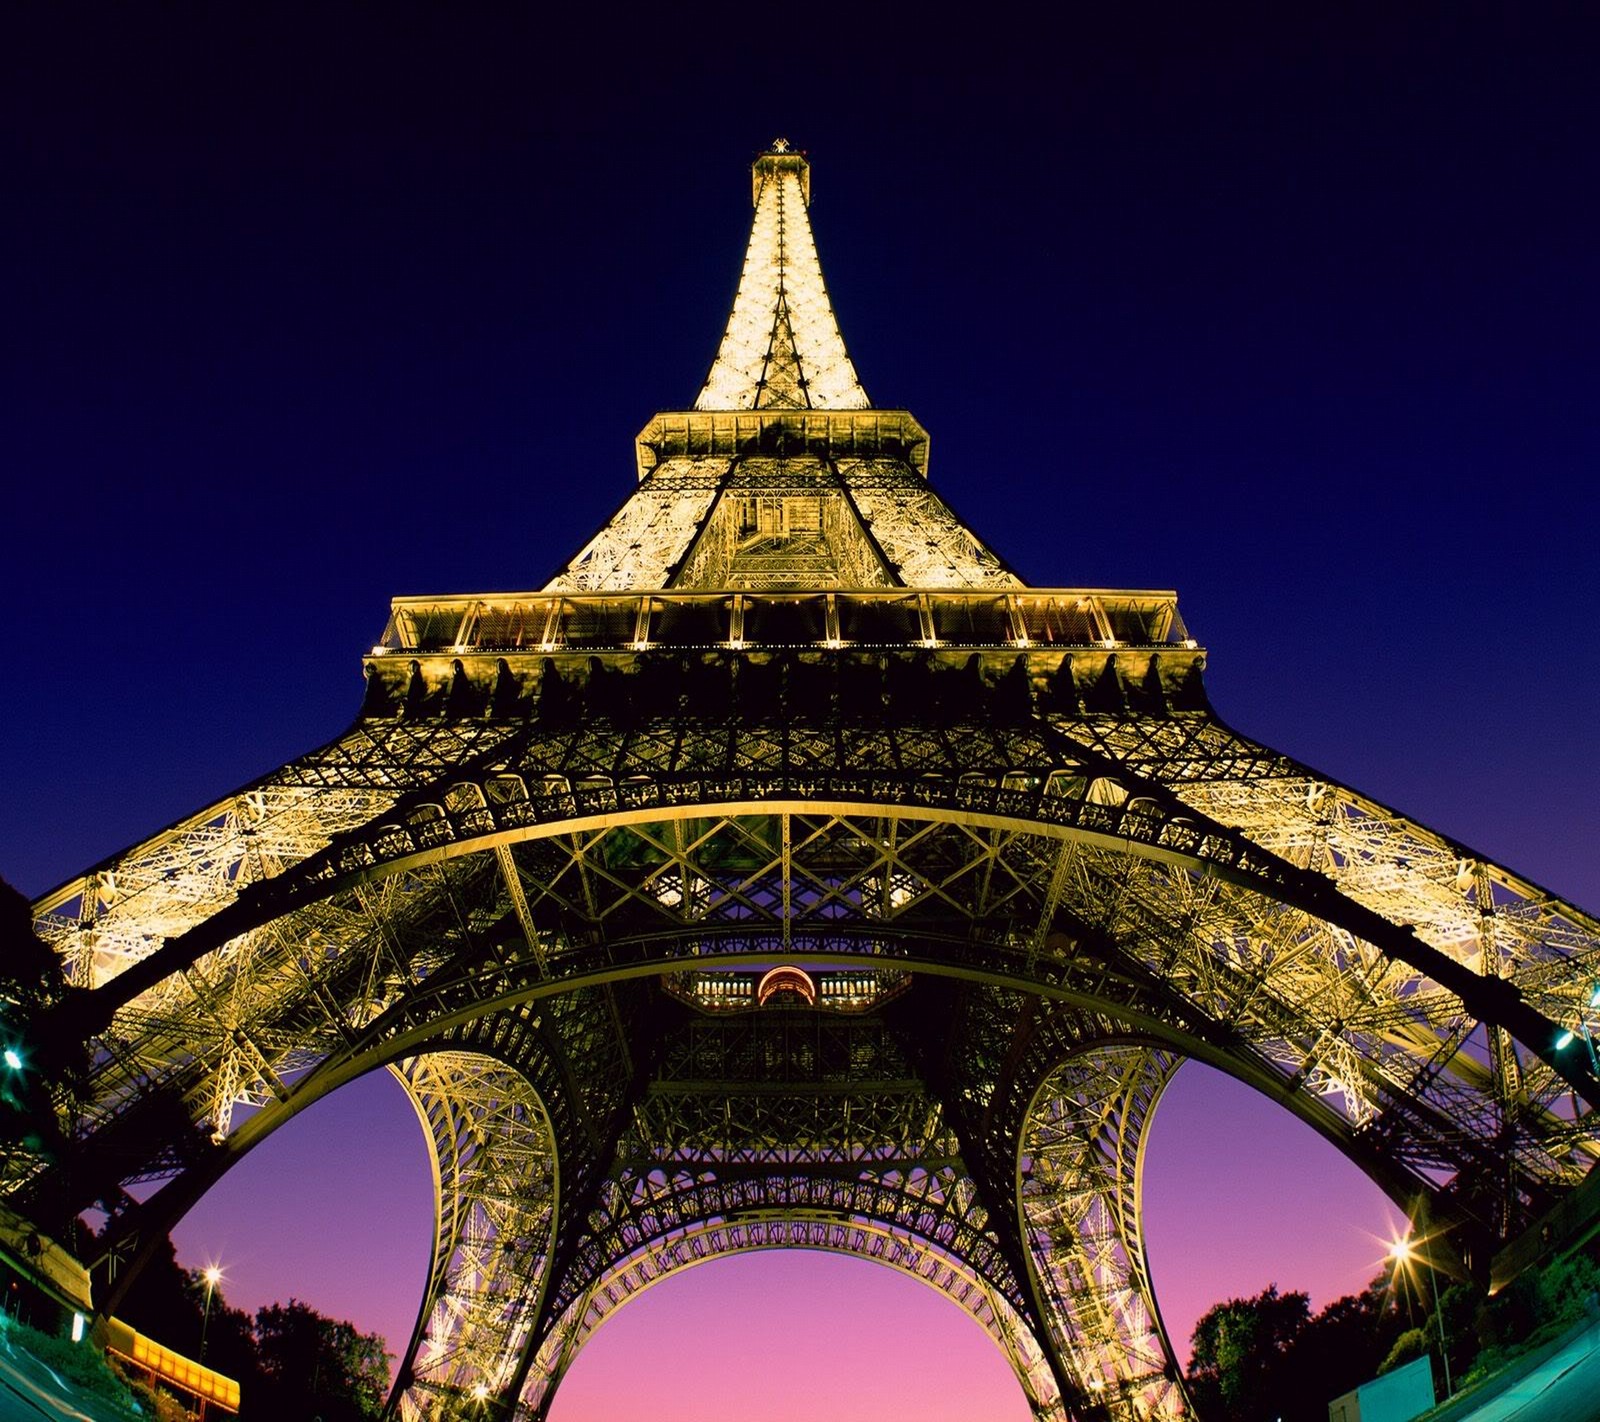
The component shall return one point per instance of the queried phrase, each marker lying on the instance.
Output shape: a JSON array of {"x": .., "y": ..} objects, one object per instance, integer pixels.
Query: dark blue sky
[{"x": 1293, "y": 313}]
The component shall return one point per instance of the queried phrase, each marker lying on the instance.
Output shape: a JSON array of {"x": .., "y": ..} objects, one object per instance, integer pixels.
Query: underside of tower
[{"x": 786, "y": 872}]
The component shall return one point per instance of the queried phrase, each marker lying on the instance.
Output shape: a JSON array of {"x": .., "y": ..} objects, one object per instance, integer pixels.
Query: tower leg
[
  {"x": 1080, "y": 1155},
  {"x": 494, "y": 1161}
]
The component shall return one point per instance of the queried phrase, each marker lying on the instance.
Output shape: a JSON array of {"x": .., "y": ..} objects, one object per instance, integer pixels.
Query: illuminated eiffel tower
[{"x": 788, "y": 873}]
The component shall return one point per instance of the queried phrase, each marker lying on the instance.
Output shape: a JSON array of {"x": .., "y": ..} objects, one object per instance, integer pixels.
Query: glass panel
[
  {"x": 879, "y": 622},
  {"x": 690, "y": 624},
  {"x": 601, "y": 622},
  {"x": 771, "y": 622},
  {"x": 982, "y": 621}
]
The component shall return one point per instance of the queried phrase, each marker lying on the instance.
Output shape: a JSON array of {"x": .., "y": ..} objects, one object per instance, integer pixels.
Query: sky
[{"x": 1293, "y": 313}]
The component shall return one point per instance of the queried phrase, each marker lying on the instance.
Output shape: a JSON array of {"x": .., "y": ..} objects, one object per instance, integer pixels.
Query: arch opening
[
  {"x": 792, "y": 1351},
  {"x": 335, "y": 1208},
  {"x": 1323, "y": 1230}
]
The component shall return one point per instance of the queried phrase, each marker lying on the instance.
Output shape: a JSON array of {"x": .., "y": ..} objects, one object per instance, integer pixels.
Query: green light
[
  {"x": 13, "y": 1058},
  {"x": 1594, "y": 997},
  {"x": 1564, "y": 1040}
]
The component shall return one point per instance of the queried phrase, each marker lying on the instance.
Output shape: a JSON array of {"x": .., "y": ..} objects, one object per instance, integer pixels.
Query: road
[
  {"x": 29, "y": 1392},
  {"x": 1565, "y": 1388}
]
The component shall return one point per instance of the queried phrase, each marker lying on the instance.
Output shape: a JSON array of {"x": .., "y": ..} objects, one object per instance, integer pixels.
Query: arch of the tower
[
  {"x": 704, "y": 1224},
  {"x": 1253, "y": 921},
  {"x": 1153, "y": 924},
  {"x": 1166, "y": 909},
  {"x": 1079, "y": 1166}
]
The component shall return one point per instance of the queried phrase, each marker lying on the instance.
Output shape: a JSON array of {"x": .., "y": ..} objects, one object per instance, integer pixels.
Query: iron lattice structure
[{"x": 785, "y": 708}]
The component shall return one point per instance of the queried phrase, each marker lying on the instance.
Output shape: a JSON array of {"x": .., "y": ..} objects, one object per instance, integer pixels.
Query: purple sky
[{"x": 1295, "y": 315}]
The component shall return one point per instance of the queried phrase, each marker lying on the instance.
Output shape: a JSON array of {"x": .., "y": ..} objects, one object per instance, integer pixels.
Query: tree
[
  {"x": 1241, "y": 1350},
  {"x": 31, "y": 1068},
  {"x": 314, "y": 1366},
  {"x": 1338, "y": 1349}
]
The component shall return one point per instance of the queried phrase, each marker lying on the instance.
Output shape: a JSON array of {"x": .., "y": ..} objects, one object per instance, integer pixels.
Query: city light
[
  {"x": 212, "y": 1274},
  {"x": 13, "y": 1058},
  {"x": 1404, "y": 1253}
]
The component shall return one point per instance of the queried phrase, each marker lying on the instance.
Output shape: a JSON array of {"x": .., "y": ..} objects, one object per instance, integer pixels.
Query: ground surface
[
  {"x": 1564, "y": 1388},
  {"x": 30, "y": 1391}
]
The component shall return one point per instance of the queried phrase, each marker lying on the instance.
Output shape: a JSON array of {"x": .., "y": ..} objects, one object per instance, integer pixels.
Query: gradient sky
[{"x": 1294, "y": 315}]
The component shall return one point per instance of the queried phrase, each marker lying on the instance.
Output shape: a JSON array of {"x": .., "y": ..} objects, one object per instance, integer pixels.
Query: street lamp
[
  {"x": 1404, "y": 1252},
  {"x": 213, "y": 1277}
]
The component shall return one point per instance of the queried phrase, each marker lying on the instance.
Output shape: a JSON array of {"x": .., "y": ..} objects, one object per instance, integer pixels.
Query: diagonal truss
[{"x": 1081, "y": 1156}]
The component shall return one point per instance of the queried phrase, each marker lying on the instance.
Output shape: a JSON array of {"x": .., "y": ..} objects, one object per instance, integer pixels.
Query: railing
[
  {"x": 838, "y": 434},
  {"x": 880, "y": 617}
]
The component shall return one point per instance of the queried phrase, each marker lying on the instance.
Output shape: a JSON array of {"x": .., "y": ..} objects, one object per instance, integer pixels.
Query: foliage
[
  {"x": 31, "y": 983},
  {"x": 1268, "y": 1358},
  {"x": 153, "y": 1402},
  {"x": 1338, "y": 1350},
  {"x": 1240, "y": 1354},
  {"x": 1458, "y": 1308},
  {"x": 1511, "y": 1315},
  {"x": 1408, "y": 1347},
  {"x": 81, "y": 1364},
  {"x": 1569, "y": 1289},
  {"x": 161, "y": 1301},
  {"x": 314, "y": 1366},
  {"x": 289, "y": 1360}
]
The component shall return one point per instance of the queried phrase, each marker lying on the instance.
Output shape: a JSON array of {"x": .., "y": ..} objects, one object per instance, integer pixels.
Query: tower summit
[
  {"x": 787, "y": 873},
  {"x": 782, "y": 476},
  {"x": 782, "y": 349}
]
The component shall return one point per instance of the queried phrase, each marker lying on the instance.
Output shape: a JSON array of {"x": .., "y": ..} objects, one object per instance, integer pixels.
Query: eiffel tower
[{"x": 789, "y": 873}]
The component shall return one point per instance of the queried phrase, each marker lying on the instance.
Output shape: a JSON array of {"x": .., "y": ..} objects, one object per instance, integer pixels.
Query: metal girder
[
  {"x": 495, "y": 1181},
  {"x": 1080, "y": 1166},
  {"x": 1392, "y": 1056},
  {"x": 787, "y": 1128}
]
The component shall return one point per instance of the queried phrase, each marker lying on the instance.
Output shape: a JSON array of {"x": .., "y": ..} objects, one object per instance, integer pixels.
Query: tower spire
[{"x": 782, "y": 349}]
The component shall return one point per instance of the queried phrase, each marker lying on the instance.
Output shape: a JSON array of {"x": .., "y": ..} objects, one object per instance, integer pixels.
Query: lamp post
[
  {"x": 1404, "y": 1252},
  {"x": 213, "y": 1276}
]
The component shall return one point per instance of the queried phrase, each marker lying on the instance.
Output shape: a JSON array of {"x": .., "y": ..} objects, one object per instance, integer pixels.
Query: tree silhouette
[
  {"x": 314, "y": 1366},
  {"x": 33, "y": 1070},
  {"x": 1240, "y": 1355}
]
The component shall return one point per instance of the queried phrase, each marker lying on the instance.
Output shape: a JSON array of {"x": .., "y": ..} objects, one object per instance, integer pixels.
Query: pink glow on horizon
[{"x": 790, "y": 1336}]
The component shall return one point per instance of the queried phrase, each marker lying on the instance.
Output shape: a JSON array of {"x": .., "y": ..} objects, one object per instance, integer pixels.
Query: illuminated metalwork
[{"x": 785, "y": 721}]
